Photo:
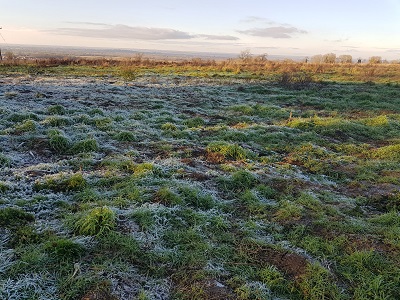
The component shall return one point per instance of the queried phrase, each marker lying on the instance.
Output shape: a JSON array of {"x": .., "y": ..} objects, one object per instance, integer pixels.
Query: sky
[{"x": 361, "y": 28}]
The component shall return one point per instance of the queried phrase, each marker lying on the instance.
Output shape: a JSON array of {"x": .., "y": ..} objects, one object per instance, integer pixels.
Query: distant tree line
[{"x": 331, "y": 58}]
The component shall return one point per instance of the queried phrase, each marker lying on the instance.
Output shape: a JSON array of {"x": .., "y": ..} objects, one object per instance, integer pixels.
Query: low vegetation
[{"x": 243, "y": 179}]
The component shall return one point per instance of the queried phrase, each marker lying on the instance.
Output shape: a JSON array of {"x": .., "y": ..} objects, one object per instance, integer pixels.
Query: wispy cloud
[
  {"x": 277, "y": 32},
  {"x": 255, "y": 19},
  {"x": 338, "y": 40},
  {"x": 88, "y": 23},
  {"x": 123, "y": 32},
  {"x": 218, "y": 37}
]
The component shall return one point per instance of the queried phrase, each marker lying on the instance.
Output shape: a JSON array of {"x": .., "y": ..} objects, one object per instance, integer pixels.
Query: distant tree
[
  {"x": 9, "y": 55},
  {"x": 262, "y": 57},
  {"x": 345, "y": 59},
  {"x": 329, "y": 58},
  {"x": 375, "y": 60},
  {"x": 245, "y": 55},
  {"x": 316, "y": 59}
]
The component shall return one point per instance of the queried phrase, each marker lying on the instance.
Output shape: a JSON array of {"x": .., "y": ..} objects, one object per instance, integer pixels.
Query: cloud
[
  {"x": 218, "y": 37},
  {"x": 338, "y": 40},
  {"x": 277, "y": 32},
  {"x": 88, "y": 23},
  {"x": 107, "y": 31},
  {"x": 124, "y": 32}
]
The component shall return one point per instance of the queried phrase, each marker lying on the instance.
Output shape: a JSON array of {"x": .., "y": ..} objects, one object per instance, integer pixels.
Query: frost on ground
[{"x": 167, "y": 187}]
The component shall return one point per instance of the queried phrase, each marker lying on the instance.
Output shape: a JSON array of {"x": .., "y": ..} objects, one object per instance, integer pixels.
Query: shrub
[{"x": 98, "y": 221}]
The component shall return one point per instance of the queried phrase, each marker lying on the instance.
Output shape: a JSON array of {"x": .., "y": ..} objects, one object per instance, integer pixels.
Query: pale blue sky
[{"x": 361, "y": 28}]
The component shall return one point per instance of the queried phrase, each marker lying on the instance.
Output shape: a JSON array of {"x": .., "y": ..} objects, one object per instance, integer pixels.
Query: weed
[
  {"x": 56, "y": 121},
  {"x": 125, "y": 136},
  {"x": 58, "y": 142},
  {"x": 4, "y": 161},
  {"x": 87, "y": 145},
  {"x": 167, "y": 197},
  {"x": 13, "y": 217},
  {"x": 56, "y": 110},
  {"x": 120, "y": 246},
  {"x": 144, "y": 218},
  {"x": 4, "y": 187},
  {"x": 169, "y": 127},
  {"x": 288, "y": 212},
  {"x": 24, "y": 235},
  {"x": 191, "y": 249},
  {"x": 26, "y": 126},
  {"x": 318, "y": 284},
  {"x": 196, "y": 198},
  {"x": 75, "y": 182},
  {"x": 219, "y": 151},
  {"x": 251, "y": 202},
  {"x": 194, "y": 122},
  {"x": 63, "y": 249},
  {"x": 391, "y": 152},
  {"x": 98, "y": 221},
  {"x": 238, "y": 181}
]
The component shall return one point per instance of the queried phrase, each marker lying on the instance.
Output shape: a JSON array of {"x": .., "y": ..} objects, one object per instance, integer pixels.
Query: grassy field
[{"x": 199, "y": 180}]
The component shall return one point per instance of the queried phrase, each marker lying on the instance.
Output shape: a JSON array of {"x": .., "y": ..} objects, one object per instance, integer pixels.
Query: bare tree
[
  {"x": 245, "y": 55},
  {"x": 329, "y": 58},
  {"x": 262, "y": 57},
  {"x": 375, "y": 60},
  {"x": 345, "y": 59},
  {"x": 316, "y": 59}
]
